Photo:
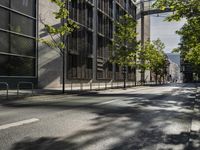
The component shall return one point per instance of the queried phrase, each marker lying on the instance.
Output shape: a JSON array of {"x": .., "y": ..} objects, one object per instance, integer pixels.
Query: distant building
[
  {"x": 174, "y": 57},
  {"x": 174, "y": 72},
  {"x": 174, "y": 67}
]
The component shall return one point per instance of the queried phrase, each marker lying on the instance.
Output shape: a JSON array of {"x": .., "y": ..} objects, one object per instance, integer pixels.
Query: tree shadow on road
[
  {"x": 44, "y": 143},
  {"x": 145, "y": 121}
]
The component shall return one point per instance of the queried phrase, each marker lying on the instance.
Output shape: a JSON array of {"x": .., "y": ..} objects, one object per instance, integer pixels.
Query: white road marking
[
  {"x": 19, "y": 123},
  {"x": 108, "y": 102},
  {"x": 111, "y": 101}
]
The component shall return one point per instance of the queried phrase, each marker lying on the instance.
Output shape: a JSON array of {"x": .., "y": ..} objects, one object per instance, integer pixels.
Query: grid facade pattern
[
  {"x": 81, "y": 52},
  {"x": 18, "y": 38}
]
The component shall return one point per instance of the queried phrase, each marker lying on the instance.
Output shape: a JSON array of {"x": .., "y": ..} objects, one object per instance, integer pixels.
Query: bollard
[
  {"x": 90, "y": 86},
  {"x": 20, "y": 83},
  {"x": 7, "y": 87}
]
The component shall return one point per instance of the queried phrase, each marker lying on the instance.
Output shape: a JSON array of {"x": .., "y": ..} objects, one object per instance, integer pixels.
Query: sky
[{"x": 165, "y": 31}]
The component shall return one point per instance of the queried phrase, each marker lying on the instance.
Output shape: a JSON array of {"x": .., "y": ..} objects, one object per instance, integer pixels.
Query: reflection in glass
[
  {"x": 4, "y": 18},
  {"x": 4, "y": 42},
  {"x": 16, "y": 66},
  {"x": 4, "y": 2},
  {"x": 22, "y": 24},
  {"x": 21, "y": 45},
  {"x": 24, "y": 6}
]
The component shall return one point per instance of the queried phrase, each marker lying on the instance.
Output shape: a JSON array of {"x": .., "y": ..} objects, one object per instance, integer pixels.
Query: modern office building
[
  {"x": 23, "y": 58},
  {"x": 18, "y": 45},
  {"x": 143, "y": 30}
]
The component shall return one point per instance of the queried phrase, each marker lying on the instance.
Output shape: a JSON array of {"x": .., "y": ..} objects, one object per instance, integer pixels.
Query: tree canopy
[
  {"x": 189, "y": 47},
  {"x": 151, "y": 57},
  {"x": 59, "y": 33},
  {"x": 124, "y": 45}
]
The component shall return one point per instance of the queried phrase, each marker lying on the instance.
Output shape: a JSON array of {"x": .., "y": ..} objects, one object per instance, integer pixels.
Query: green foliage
[
  {"x": 158, "y": 63},
  {"x": 182, "y": 8},
  {"x": 58, "y": 34},
  {"x": 124, "y": 45},
  {"x": 152, "y": 57},
  {"x": 190, "y": 39},
  {"x": 144, "y": 55},
  {"x": 194, "y": 55}
]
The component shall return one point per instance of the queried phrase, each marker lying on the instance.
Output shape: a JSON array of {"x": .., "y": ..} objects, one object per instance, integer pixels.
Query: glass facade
[
  {"x": 81, "y": 41},
  {"x": 81, "y": 57},
  {"x": 18, "y": 38},
  {"x": 88, "y": 47}
]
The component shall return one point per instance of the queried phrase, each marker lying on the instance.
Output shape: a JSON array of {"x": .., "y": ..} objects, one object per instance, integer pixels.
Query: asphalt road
[{"x": 151, "y": 118}]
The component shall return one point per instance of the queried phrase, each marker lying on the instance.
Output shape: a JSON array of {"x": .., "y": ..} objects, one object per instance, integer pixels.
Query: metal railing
[
  {"x": 7, "y": 87},
  {"x": 24, "y": 83},
  {"x": 97, "y": 85}
]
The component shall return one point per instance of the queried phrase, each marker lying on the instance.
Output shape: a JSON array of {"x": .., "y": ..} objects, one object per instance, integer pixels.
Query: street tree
[
  {"x": 189, "y": 10},
  {"x": 58, "y": 34},
  {"x": 190, "y": 41},
  {"x": 182, "y": 8},
  {"x": 151, "y": 57},
  {"x": 158, "y": 61},
  {"x": 124, "y": 44},
  {"x": 144, "y": 55}
]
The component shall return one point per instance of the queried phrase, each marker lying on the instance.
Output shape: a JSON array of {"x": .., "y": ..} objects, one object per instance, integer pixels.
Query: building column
[
  {"x": 142, "y": 39},
  {"x": 114, "y": 17},
  {"x": 94, "y": 65}
]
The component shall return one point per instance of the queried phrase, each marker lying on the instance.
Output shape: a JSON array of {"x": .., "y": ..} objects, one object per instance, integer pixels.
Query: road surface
[{"x": 150, "y": 118}]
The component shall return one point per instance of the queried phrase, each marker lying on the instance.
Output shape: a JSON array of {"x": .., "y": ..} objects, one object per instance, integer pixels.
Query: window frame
[{"x": 35, "y": 37}]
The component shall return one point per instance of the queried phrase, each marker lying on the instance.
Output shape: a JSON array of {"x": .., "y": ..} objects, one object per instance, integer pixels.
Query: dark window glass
[
  {"x": 4, "y": 2},
  {"x": 16, "y": 66},
  {"x": 74, "y": 61},
  {"x": 89, "y": 63},
  {"x": 23, "y": 46},
  {"x": 4, "y": 42},
  {"x": 22, "y": 24},
  {"x": 72, "y": 66},
  {"x": 4, "y": 18},
  {"x": 24, "y": 6}
]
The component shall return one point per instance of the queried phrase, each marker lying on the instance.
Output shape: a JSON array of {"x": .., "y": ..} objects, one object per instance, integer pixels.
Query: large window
[{"x": 17, "y": 38}]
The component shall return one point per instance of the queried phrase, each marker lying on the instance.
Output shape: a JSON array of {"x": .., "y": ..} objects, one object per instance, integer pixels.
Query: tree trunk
[
  {"x": 163, "y": 79},
  {"x": 156, "y": 78},
  {"x": 135, "y": 77},
  {"x": 124, "y": 76},
  {"x": 63, "y": 71}
]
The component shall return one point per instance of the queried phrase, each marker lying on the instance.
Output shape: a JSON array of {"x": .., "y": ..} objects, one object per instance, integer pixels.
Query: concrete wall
[
  {"x": 146, "y": 37},
  {"x": 49, "y": 61}
]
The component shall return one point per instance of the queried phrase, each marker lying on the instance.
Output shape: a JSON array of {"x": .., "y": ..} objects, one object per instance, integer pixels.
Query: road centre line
[
  {"x": 111, "y": 101},
  {"x": 107, "y": 102},
  {"x": 19, "y": 123}
]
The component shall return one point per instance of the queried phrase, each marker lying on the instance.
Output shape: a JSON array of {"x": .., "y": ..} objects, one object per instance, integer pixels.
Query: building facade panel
[
  {"x": 18, "y": 55},
  {"x": 49, "y": 60},
  {"x": 23, "y": 58}
]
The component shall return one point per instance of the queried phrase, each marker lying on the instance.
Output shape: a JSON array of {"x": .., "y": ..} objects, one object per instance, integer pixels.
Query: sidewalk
[
  {"x": 194, "y": 142},
  {"x": 79, "y": 88}
]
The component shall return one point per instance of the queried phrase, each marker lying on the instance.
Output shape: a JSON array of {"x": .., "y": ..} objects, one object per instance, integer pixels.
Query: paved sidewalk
[
  {"x": 13, "y": 94},
  {"x": 55, "y": 95},
  {"x": 73, "y": 88}
]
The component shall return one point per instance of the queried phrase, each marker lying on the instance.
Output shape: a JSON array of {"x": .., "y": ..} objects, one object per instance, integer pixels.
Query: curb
[{"x": 194, "y": 139}]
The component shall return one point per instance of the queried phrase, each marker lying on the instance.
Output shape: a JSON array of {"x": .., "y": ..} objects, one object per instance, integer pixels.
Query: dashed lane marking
[
  {"x": 107, "y": 102},
  {"x": 19, "y": 123},
  {"x": 111, "y": 101}
]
